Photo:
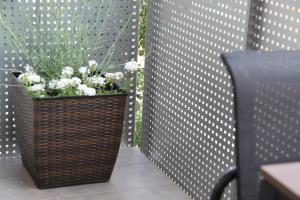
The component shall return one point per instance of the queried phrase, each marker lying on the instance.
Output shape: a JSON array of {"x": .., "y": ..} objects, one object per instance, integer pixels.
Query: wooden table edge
[{"x": 278, "y": 185}]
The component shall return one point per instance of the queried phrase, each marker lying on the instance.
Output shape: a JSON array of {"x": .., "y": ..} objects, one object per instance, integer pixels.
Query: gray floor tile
[
  {"x": 131, "y": 156},
  {"x": 139, "y": 175},
  {"x": 153, "y": 193},
  {"x": 87, "y": 189},
  {"x": 127, "y": 177},
  {"x": 12, "y": 167},
  {"x": 18, "y": 189},
  {"x": 157, "y": 193},
  {"x": 101, "y": 196},
  {"x": 134, "y": 177}
]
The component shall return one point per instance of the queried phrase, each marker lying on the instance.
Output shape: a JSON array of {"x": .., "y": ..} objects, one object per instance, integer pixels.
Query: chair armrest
[{"x": 218, "y": 190}]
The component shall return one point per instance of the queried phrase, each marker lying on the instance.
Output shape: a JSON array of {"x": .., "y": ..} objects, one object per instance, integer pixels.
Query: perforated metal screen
[
  {"x": 188, "y": 123},
  {"x": 123, "y": 18},
  {"x": 274, "y": 25},
  {"x": 188, "y": 108}
]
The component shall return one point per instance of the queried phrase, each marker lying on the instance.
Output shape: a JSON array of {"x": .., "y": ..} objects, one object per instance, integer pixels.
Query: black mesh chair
[{"x": 267, "y": 110}]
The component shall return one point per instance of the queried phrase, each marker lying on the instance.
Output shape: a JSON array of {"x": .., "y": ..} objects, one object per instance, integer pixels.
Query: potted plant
[{"x": 68, "y": 109}]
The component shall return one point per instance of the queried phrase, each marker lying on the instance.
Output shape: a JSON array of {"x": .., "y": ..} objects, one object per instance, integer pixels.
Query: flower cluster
[
  {"x": 32, "y": 81},
  {"x": 131, "y": 67},
  {"x": 85, "y": 81}
]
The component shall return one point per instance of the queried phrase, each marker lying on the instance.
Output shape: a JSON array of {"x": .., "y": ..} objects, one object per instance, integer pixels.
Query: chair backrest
[{"x": 267, "y": 110}]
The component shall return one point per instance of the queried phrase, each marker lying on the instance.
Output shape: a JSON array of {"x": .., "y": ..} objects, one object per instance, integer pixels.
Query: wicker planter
[{"x": 69, "y": 140}]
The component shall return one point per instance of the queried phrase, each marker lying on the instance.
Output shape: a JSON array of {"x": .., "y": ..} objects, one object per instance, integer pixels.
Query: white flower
[
  {"x": 76, "y": 81},
  {"x": 52, "y": 84},
  {"x": 139, "y": 101},
  {"x": 37, "y": 88},
  {"x": 28, "y": 68},
  {"x": 43, "y": 80},
  {"x": 67, "y": 72},
  {"x": 115, "y": 76},
  {"x": 119, "y": 75},
  {"x": 84, "y": 70},
  {"x": 109, "y": 75},
  {"x": 93, "y": 80},
  {"x": 90, "y": 91},
  {"x": 85, "y": 90},
  {"x": 101, "y": 80},
  {"x": 63, "y": 83},
  {"x": 82, "y": 87},
  {"x": 97, "y": 80},
  {"x": 141, "y": 62},
  {"x": 93, "y": 64},
  {"x": 24, "y": 78},
  {"x": 60, "y": 85},
  {"x": 30, "y": 78},
  {"x": 131, "y": 67},
  {"x": 33, "y": 78}
]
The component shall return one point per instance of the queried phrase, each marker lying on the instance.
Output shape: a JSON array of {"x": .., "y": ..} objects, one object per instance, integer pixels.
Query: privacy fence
[
  {"x": 123, "y": 18},
  {"x": 188, "y": 125}
]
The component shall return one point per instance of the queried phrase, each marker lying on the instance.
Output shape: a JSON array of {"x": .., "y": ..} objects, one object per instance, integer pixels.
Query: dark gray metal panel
[
  {"x": 274, "y": 25},
  {"x": 188, "y": 128},
  {"x": 124, "y": 16}
]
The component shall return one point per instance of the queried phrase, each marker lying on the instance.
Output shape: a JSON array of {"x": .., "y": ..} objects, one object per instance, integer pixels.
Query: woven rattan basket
[{"x": 68, "y": 140}]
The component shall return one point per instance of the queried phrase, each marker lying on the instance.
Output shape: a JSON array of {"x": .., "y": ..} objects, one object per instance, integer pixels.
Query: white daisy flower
[
  {"x": 24, "y": 78},
  {"x": 34, "y": 78},
  {"x": 97, "y": 80},
  {"x": 119, "y": 76},
  {"x": 90, "y": 91},
  {"x": 84, "y": 70},
  {"x": 77, "y": 81},
  {"x": 109, "y": 75},
  {"x": 93, "y": 64},
  {"x": 115, "y": 76},
  {"x": 101, "y": 81},
  {"x": 131, "y": 67},
  {"x": 67, "y": 72},
  {"x": 63, "y": 83},
  {"x": 83, "y": 89},
  {"x": 43, "y": 80},
  {"x": 37, "y": 88},
  {"x": 52, "y": 84}
]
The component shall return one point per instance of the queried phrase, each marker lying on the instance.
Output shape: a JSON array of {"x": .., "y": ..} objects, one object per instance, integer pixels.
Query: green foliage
[
  {"x": 66, "y": 44},
  {"x": 140, "y": 73},
  {"x": 35, "y": 94},
  {"x": 68, "y": 91},
  {"x": 49, "y": 52},
  {"x": 142, "y": 25},
  {"x": 139, "y": 106}
]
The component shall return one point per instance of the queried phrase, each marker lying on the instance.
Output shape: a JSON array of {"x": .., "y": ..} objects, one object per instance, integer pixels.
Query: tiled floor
[{"x": 134, "y": 178}]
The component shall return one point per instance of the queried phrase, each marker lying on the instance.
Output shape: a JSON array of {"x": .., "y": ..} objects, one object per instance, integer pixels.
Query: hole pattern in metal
[
  {"x": 274, "y": 25},
  {"x": 188, "y": 128},
  {"x": 123, "y": 18}
]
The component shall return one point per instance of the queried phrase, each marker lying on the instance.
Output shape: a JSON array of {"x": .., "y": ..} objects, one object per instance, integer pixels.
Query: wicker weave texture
[{"x": 69, "y": 141}]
